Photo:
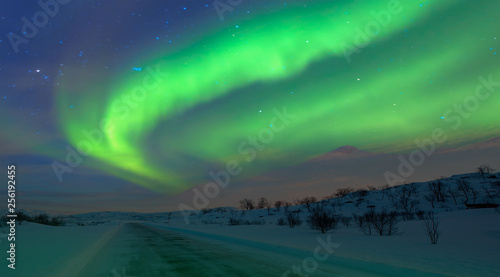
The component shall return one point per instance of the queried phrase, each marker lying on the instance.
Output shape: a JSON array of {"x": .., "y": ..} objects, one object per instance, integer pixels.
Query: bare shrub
[
  {"x": 297, "y": 201},
  {"x": 233, "y": 221},
  {"x": 360, "y": 193},
  {"x": 268, "y": 207},
  {"x": 490, "y": 193},
  {"x": 278, "y": 204},
  {"x": 485, "y": 169},
  {"x": 262, "y": 203},
  {"x": 341, "y": 192},
  {"x": 453, "y": 193},
  {"x": 57, "y": 221},
  {"x": 308, "y": 201},
  {"x": 293, "y": 219},
  {"x": 42, "y": 219},
  {"x": 438, "y": 188},
  {"x": 287, "y": 206},
  {"x": 467, "y": 191},
  {"x": 260, "y": 221},
  {"x": 346, "y": 220},
  {"x": 281, "y": 221},
  {"x": 404, "y": 199},
  {"x": 386, "y": 223},
  {"x": 321, "y": 218},
  {"x": 21, "y": 217},
  {"x": 383, "y": 223},
  {"x": 363, "y": 223},
  {"x": 247, "y": 204},
  {"x": 335, "y": 204},
  {"x": 431, "y": 198},
  {"x": 431, "y": 223},
  {"x": 371, "y": 188}
]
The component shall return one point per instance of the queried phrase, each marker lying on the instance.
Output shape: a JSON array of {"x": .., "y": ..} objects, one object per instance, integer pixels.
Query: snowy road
[{"x": 142, "y": 250}]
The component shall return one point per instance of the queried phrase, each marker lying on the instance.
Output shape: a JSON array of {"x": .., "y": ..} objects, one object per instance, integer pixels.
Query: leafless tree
[
  {"x": 453, "y": 193},
  {"x": 475, "y": 195},
  {"x": 438, "y": 188},
  {"x": 431, "y": 197},
  {"x": 262, "y": 203},
  {"x": 371, "y": 188},
  {"x": 404, "y": 199},
  {"x": 341, "y": 192},
  {"x": 464, "y": 187},
  {"x": 489, "y": 193},
  {"x": 268, "y": 207},
  {"x": 363, "y": 222},
  {"x": 278, "y": 204},
  {"x": 337, "y": 203},
  {"x": 485, "y": 169},
  {"x": 286, "y": 206},
  {"x": 293, "y": 218},
  {"x": 334, "y": 206},
  {"x": 431, "y": 223},
  {"x": 247, "y": 204},
  {"x": 308, "y": 201},
  {"x": 321, "y": 218},
  {"x": 361, "y": 193},
  {"x": 384, "y": 223},
  {"x": 297, "y": 201},
  {"x": 468, "y": 192}
]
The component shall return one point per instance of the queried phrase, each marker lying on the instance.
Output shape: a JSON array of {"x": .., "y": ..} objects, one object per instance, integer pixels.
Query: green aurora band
[{"x": 223, "y": 87}]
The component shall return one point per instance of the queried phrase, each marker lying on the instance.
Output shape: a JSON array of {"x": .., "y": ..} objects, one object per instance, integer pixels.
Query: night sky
[{"x": 128, "y": 105}]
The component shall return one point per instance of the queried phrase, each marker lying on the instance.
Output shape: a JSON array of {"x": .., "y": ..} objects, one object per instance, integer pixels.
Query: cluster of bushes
[
  {"x": 404, "y": 199},
  {"x": 291, "y": 219},
  {"x": 322, "y": 218},
  {"x": 233, "y": 221},
  {"x": 212, "y": 221},
  {"x": 40, "y": 219},
  {"x": 220, "y": 210},
  {"x": 263, "y": 203},
  {"x": 93, "y": 223},
  {"x": 382, "y": 223}
]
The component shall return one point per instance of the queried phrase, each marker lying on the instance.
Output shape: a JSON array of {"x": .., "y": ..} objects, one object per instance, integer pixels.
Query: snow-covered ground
[
  {"x": 43, "y": 250},
  {"x": 468, "y": 246}
]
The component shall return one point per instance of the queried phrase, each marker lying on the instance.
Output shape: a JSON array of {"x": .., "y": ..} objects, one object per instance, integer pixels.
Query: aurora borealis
[{"x": 163, "y": 100}]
